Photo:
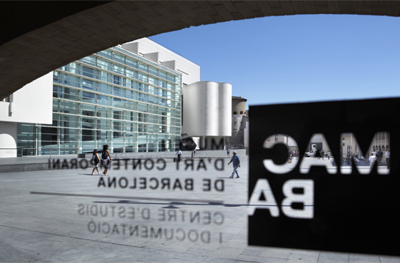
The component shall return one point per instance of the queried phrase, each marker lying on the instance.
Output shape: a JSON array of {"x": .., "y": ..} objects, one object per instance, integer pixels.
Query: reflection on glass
[
  {"x": 318, "y": 153},
  {"x": 377, "y": 154},
  {"x": 292, "y": 153}
]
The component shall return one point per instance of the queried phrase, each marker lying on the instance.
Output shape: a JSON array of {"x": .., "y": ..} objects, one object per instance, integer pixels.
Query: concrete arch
[{"x": 56, "y": 33}]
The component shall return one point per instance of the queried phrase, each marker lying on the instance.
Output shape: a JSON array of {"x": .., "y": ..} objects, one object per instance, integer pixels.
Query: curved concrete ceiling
[{"x": 38, "y": 37}]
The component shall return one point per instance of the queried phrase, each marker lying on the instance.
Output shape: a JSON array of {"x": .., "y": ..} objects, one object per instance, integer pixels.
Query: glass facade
[{"x": 112, "y": 97}]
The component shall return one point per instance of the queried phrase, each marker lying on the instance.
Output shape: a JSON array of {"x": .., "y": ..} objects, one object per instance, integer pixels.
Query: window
[
  {"x": 103, "y": 64},
  {"x": 143, "y": 97},
  {"x": 161, "y": 83},
  {"x": 171, "y": 77},
  {"x": 142, "y": 66},
  {"x": 131, "y": 62},
  {"x": 152, "y": 81},
  {"x": 55, "y": 94},
  {"x": 118, "y": 57},
  {"x": 142, "y": 107},
  {"x": 88, "y": 84},
  {"x": 88, "y": 72},
  {"x": 152, "y": 99},
  {"x": 103, "y": 112},
  {"x": 73, "y": 67},
  {"x": 87, "y": 110},
  {"x": 162, "y": 102},
  {"x": 117, "y": 80},
  {"x": 170, "y": 86},
  {"x": 131, "y": 74},
  {"x": 131, "y": 105},
  {"x": 130, "y": 94},
  {"x": 142, "y": 128},
  {"x": 105, "y": 53},
  {"x": 130, "y": 116},
  {"x": 101, "y": 87},
  {"x": 119, "y": 69},
  {"x": 55, "y": 76},
  {"x": 90, "y": 60},
  {"x": 118, "y": 92},
  {"x": 88, "y": 97},
  {"x": 142, "y": 77},
  {"x": 118, "y": 103},
  {"x": 143, "y": 87},
  {"x": 162, "y": 74},
  {"x": 153, "y": 70},
  {"x": 72, "y": 80},
  {"x": 151, "y": 89},
  {"x": 104, "y": 100}
]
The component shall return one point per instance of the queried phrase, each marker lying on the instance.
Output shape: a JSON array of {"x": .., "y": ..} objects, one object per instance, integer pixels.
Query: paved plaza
[{"x": 156, "y": 214}]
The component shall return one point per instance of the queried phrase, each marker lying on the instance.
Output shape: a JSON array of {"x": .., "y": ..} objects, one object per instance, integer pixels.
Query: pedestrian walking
[
  {"x": 372, "y": 160},
  {"x": 194, "y": 153},
  {"x": 329, "y": 155},
  {"x": 322, "y": 154},
  {"x": 95, "y": 161},
  {"x": 387, "y": 155},
  {"x": 236, "y": 164},
  {"x": 228, "y": 152},
  {"x": 106, "y": 157},
  {"x": 178, "y": 153}
]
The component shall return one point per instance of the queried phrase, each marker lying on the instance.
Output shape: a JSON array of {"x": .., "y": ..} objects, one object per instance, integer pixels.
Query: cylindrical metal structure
[{"x": 207, "y": 109}]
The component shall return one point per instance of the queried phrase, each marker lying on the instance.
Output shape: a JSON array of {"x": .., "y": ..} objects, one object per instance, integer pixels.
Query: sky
[{"x": 300, "y": 58}]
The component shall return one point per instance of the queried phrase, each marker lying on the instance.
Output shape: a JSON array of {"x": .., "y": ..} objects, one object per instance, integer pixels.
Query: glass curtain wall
[{"x": 111, "y": 97}]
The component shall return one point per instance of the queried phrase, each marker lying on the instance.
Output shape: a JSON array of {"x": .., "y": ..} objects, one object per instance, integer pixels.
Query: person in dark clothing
[
  {"x": 178, "y": 153},
  {"x": 95, "y": 161},
  {"x": 106, "y": 159},
  {"x": 236, "y": 164}
]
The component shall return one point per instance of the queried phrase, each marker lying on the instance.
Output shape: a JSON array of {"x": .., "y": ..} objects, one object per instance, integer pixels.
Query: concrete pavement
[{"x": 156, "y": 214}]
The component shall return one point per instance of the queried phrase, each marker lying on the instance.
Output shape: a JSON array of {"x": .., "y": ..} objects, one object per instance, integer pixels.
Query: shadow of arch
[{"x": 52, "y": 34}]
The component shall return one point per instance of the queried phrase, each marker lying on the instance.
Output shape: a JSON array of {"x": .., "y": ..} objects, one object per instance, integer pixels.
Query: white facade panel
[
  {"x": 190, "y": 71},
  {"x": 206, "y": 109},
  {"x": 33, "y": 103}
]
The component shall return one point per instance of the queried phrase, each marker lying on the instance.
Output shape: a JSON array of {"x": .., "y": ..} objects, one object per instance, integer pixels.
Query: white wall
[
  {"x": 8, "y": 139},
  {"x": 33, "y": 103},
  {"x": 239, "y": 129},
  {"x": 190, "y": 71},
  {"x": 207, "y": 109}
]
